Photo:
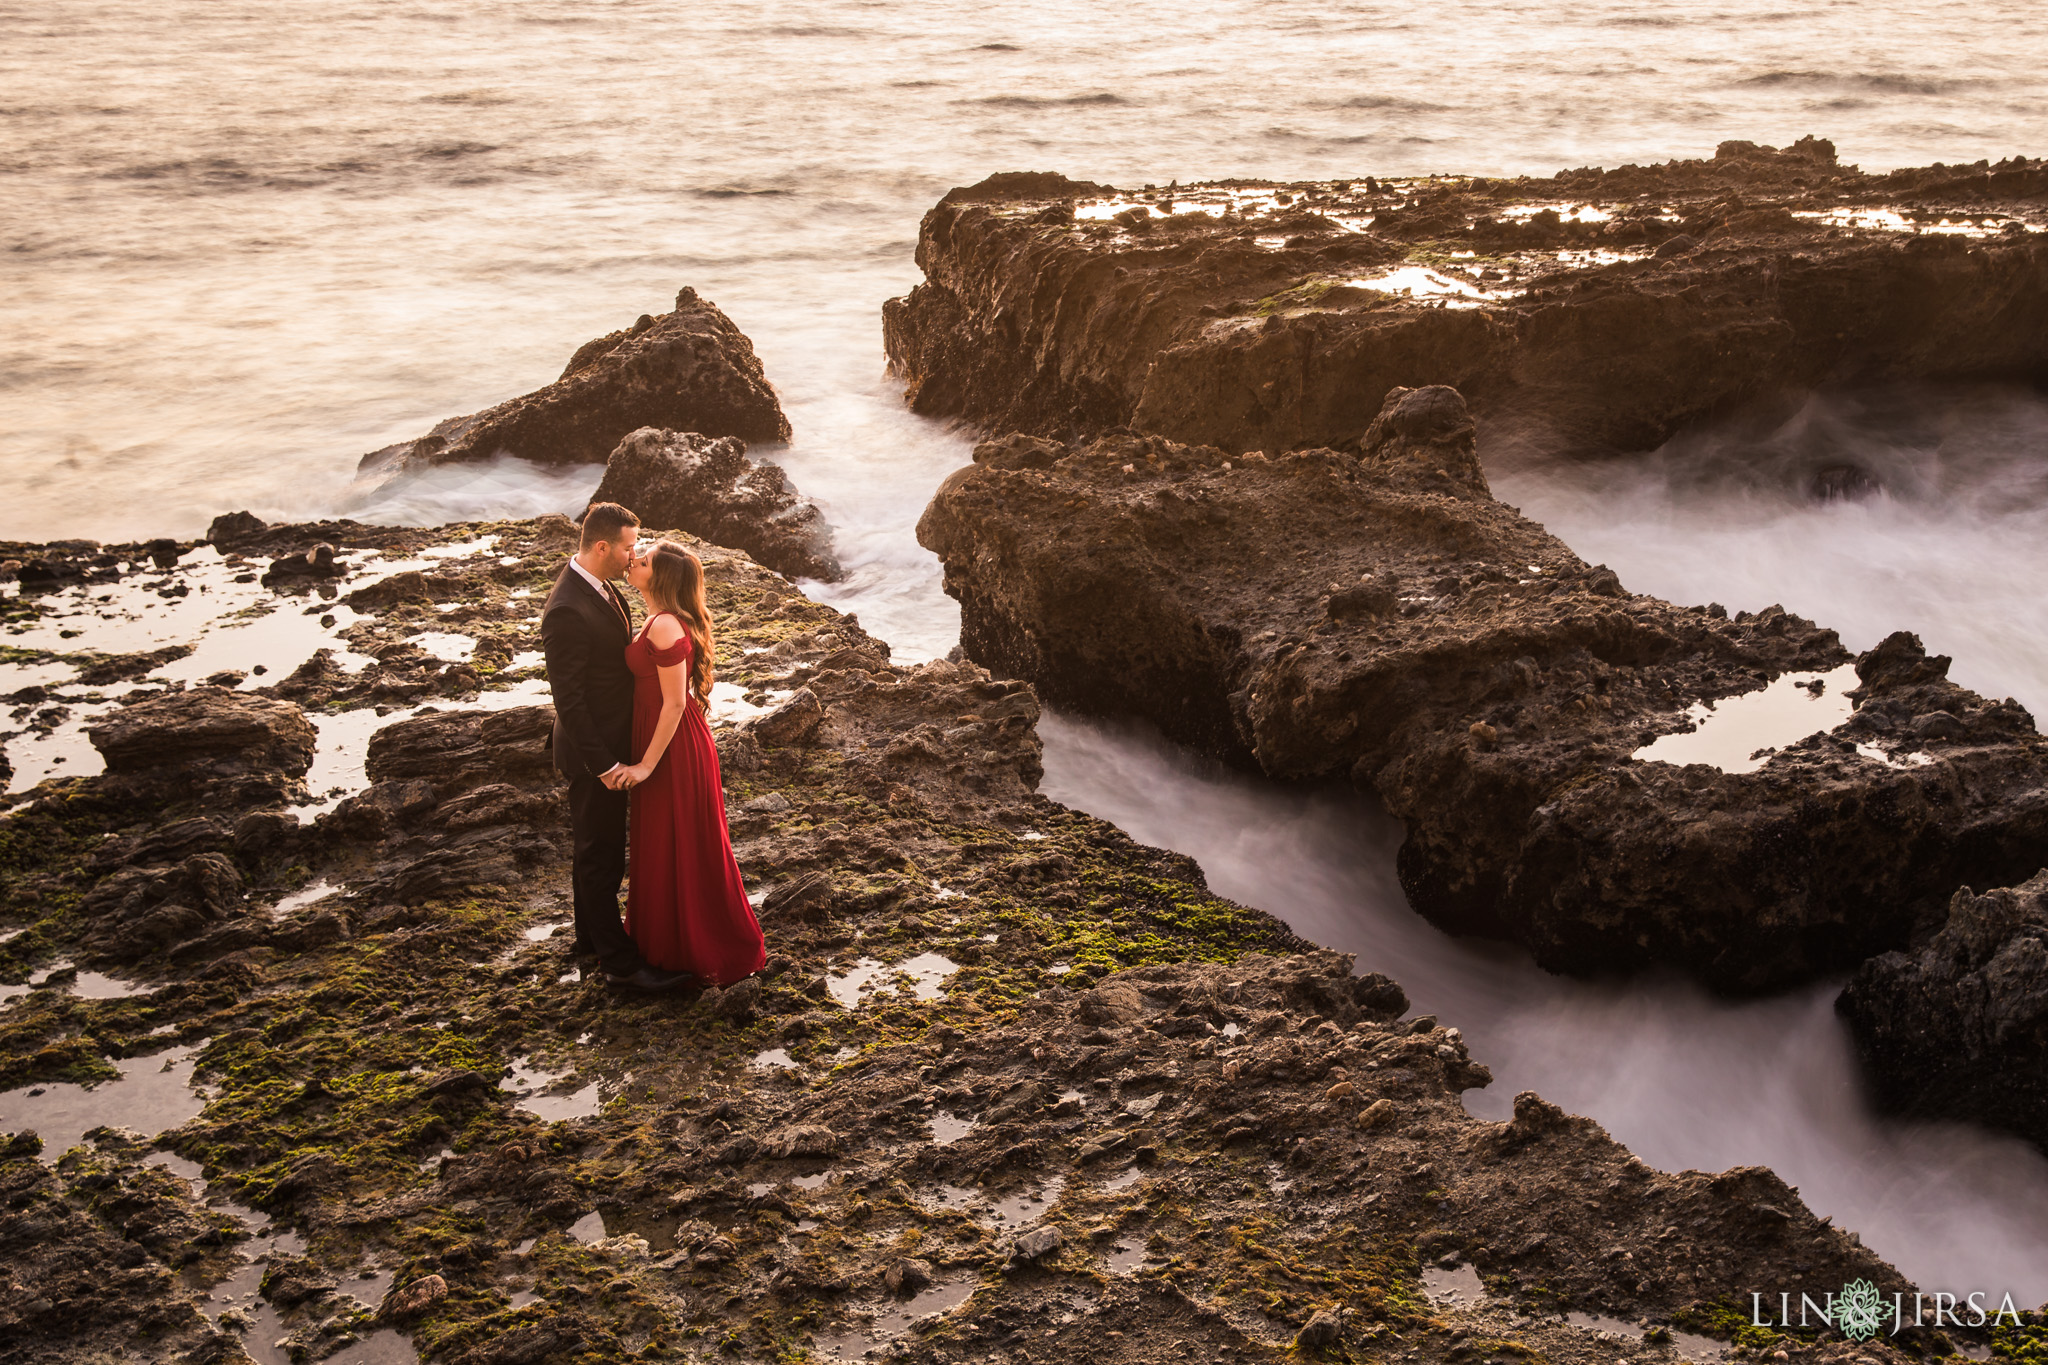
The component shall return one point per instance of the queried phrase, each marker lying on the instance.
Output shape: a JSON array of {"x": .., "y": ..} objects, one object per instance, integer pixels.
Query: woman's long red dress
[{"x": 686, "y": 907}]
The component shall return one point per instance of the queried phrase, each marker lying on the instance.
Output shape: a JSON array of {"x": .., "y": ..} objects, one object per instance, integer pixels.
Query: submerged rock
[
  {"x": 1272, "y": 317},
  {"x": 1382, "y": 616},
  {"x": 690, "y": 370},
  {"x": 1958, "y": 1029},
  {"x": 708, "y": 487}
]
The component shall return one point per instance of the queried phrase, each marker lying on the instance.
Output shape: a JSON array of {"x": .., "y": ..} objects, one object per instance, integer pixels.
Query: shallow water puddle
[
  {"x": 589, "y": 1228},
  {"x": 37, "y": 755},
  {"x": 444, "y": 645},
  {"x": 540, "y": 933},
  {"x": 894, "y": 1321},
  {"x": 35, "y": 673},
  {"x": 1123, "y": 1180},
  {"x": 1419, "y": 281},
  {"x": 1457, "y": 1285},
  {"x": 947, "y": 1130},
  {"x": 152, "y": 1095},
  {"x": 1127, "y": 1252},
  {"x": 539, "y": 1095},
  {"x": 1029, "y": 1205},
  {"x": 926, "y": 971},
  {"x": 774, "y": 1059},
  {"x": 729, "y": 704},
  {"x": 952, "y": 1197},
  {"x": 309, "y": 894},
  {"x": 95, "y": 986},
  {"x": 1740, "y": 734},
  {"x": 240, "y": 1292}
]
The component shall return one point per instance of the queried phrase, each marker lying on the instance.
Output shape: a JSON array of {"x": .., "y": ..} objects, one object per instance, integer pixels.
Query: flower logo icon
[{"x": 1859, "y": 1310}]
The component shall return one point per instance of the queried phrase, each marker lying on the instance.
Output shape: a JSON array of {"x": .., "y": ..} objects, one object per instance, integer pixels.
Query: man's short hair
[{"x": 604, "y": 521}]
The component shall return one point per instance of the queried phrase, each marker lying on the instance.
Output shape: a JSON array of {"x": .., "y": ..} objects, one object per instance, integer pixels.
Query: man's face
[{"x": 618, "y": 553}]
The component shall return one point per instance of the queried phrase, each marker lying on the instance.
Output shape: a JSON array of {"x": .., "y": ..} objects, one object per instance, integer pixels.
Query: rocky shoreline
[
  {"x": 1231, "y": 1140},
  {"x": 284, "y": 930}
]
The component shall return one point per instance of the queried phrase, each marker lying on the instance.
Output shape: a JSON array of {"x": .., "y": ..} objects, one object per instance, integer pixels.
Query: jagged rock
[
  {"x": 413, "y": 1299},
  {"x": 1958, "y": 1029},
  {"x": 1324, "y": 1328},
  {"x": 1199, "y": 327},
  {"x": 707, "y": 486},
  {"x": 738, "y": 752},
  {"x": 292, "y": 1280},
  {"x": 793, "y": 722},
  {"x": 802, "y": 1140},
  {"x": 317, "y": 562},
  {"x": 205, "y": 725},
  {"x": 907, "y": 1276},
  {"x": 1141, "y": 576},
  {"x": 456, "y": 751},
  {"x": 805, "y": 897},
  {"x": 1035, "y": 1244},
  {"x": 689, "y": 370},
  {"x": 384, "y": 806},
  {"x": 231, "y": 528},
  {"x": 738, "y": 1001}
]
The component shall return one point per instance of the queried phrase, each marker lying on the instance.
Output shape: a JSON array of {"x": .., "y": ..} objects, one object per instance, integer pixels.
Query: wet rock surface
[
  {"x": 708, "y": 487},
  {"x": 1381, "y": 616},
  {"x": 690, "y": 370},
  {"x": 1586, "y": 313},
  {"x": 1958, "y": 1029},
  {"x": 997, "y": 1041}
]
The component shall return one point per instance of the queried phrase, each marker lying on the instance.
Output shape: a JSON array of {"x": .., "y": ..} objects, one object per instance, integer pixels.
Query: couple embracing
[{"x": 632, "y": 738}]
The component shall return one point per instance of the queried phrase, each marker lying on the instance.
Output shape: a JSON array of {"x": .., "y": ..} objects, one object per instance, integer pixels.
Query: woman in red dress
[{"x": 686, "y": 907}]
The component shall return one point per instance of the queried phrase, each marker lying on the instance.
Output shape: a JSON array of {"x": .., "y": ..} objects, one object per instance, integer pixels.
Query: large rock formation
[
  {"x": 1588, "y": 312},
  {"x": 690, "y": 369},
  {"x": 1322, "y": 614},
  {"x": 1958, "y": 1029},
  {"x": 708, "y": 487}
]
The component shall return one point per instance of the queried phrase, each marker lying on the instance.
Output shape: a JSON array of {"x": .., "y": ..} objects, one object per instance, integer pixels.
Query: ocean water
[{"x": 242, "y": 243}]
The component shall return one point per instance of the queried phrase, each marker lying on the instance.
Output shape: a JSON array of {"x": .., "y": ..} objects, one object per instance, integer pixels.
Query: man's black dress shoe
[{"x": 652, "y": 979}]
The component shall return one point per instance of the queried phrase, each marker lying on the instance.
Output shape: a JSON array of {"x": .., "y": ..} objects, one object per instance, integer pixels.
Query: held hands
[{"x": 625, "y": 779}]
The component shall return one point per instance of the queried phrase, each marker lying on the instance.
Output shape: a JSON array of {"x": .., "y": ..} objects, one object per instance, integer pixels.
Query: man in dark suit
[{"x": 584, "y": 630}]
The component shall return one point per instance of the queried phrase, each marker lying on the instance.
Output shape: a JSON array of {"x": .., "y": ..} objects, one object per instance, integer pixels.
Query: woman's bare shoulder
[{"x": 664, "y": 630}]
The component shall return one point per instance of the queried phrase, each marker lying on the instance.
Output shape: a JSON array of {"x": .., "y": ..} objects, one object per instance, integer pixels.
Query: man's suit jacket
[{"x": 584, "y": 637}]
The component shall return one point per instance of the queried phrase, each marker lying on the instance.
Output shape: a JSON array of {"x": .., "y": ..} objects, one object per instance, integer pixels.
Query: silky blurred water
[{"x": 242, "y": 243}]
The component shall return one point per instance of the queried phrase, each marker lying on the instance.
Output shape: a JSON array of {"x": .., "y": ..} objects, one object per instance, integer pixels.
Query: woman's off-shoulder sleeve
[{"x": 677, "y": 653}]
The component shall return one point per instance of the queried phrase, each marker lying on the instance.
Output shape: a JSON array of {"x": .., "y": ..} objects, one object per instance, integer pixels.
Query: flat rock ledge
[
  {"x": 1381, "y": 616},
  {"x": 1586, "y": 313},
  {"x": 1958, "y": 1028},
  {"x": 689, "y": 370},
  {"x": 1080, "y": 1096}
]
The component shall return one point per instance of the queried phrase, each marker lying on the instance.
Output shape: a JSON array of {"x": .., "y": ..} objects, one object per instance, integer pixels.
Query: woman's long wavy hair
[{"x": 677, "y": 584}]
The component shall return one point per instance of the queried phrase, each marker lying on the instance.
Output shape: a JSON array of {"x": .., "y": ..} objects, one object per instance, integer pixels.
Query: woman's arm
[{"x": 663, "y": 634}]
